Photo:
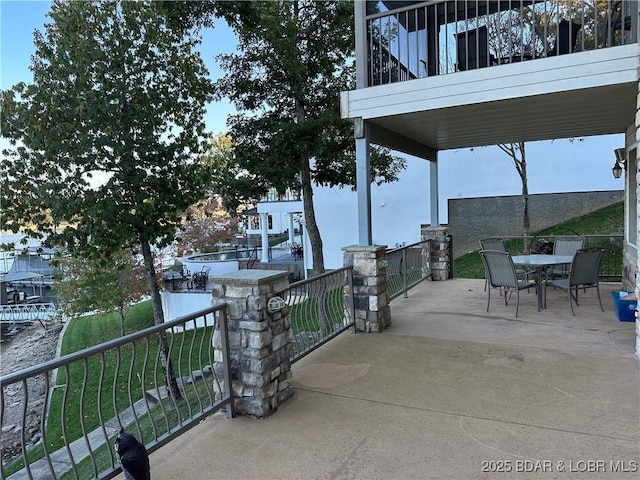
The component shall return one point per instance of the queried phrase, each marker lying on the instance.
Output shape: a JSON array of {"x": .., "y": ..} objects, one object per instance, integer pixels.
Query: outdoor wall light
[
  {"x": 275, "y": 304},
  {"x": 621, "y": 162}
]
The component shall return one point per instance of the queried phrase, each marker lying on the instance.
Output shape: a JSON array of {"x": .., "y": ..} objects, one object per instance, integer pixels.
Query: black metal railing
[
  {"x": 430, "y": 38},
  {"x": 320, "y": 308},
  {"x": 69, "y": 410},
  {"x": 408, "y": 266}
]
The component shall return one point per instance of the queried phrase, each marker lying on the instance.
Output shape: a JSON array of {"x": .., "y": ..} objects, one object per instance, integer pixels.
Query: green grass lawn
[
  {"x": 98, "y": 386},
  {"x": 305, "y": 315},
  {"x": 396, "y": 280}
]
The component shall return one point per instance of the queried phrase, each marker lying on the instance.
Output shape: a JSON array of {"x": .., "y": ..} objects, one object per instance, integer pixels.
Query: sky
[
  {"x": 561, "y": 165},
  {"x": 19, "y": 19}
]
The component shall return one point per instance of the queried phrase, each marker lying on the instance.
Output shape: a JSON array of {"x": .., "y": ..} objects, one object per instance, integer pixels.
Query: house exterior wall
[
  {"x": 397, "y": 210},
  {"x": 279, "y": 223},
  {"x": 630, "y": 254}
]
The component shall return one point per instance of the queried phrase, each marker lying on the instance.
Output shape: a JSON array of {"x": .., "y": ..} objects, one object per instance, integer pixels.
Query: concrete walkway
[{"x": 448, "y": 392}]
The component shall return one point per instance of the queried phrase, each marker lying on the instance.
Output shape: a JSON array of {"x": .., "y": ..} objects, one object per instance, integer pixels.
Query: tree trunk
[
  {"x": 307, "y": 202},
  {"x": 310, "y": 220},
  {"x": 318, "y": 290},
  {"x": 526, "y": 223},
  {"x": 158, "y": 317},
  {"x": 518, "y": 155}
]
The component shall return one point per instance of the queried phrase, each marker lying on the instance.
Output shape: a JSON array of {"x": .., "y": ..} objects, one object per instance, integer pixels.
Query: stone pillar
[
  {"x": 440, "y": 250},
  {"x": 370, "y": 292},
  {"x": 260, "y": 340}
]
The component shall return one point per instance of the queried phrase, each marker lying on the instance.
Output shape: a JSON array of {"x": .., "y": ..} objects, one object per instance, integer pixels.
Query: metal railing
[
  {"x": 69, "y": 410},
  {"x": 435, "y": 38},
  {"x": 27, "y": 312},
  {"x": 408, "y": 266},
  {"x": 320, "y": 308}
]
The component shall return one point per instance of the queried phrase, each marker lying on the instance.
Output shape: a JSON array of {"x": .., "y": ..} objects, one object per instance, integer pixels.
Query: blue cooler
[{"x": 625, "y": 309}]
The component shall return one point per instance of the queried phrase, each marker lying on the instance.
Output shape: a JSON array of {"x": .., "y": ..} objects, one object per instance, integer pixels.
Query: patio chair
[
  {"x": 583, "y": 274},
  {"x": 296, "y": 250},
  {"x": 499, "y": 245},
  {"x": 564, "y": 246},
  {"x": 501, "y": 275},
  {"x": 201, "y": 278},
  {"x": 493, "y": 244}
]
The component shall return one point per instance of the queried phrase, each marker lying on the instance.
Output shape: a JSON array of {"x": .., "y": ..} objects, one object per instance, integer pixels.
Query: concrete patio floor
[{"x": 449, "y": 391}]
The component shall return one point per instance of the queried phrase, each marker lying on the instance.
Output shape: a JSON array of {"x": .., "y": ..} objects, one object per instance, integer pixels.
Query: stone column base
[
  {"x": 260, "y": 339},
  {"x": 370, "y": 289},
  {"x": 440, "y": 251}
]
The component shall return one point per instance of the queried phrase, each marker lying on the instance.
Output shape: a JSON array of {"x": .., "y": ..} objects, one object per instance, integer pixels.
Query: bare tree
[{"x": 518, "y": 155}]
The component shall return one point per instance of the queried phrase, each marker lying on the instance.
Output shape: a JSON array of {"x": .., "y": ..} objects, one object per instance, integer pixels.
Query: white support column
[
  {"x": 292, "y": 232},
  {"x": 264, "y": 223},
  {"x": 433, "y": 192},
  {"x": 363, "y": 185}
]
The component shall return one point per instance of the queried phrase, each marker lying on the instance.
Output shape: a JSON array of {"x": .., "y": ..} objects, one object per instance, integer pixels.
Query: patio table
[
  {"x": 176, "y": 278},
  {"x": 539, "y": 262}
]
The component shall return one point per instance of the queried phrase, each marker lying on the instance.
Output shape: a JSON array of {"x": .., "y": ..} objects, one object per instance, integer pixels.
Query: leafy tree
[
  {"x": 294, "y": 58},
  {"x": 234, "y": 184},
  {"x": 102, "y": 285},
  {"x": 106, "y": 137},
  {"x": 213, "y": 219},
  {"x": 208, "y": 224}
]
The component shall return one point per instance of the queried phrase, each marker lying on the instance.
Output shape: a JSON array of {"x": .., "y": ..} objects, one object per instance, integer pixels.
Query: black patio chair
[
  {"x": 296, "y": 250},
  {"x": 201, "y": 278}
]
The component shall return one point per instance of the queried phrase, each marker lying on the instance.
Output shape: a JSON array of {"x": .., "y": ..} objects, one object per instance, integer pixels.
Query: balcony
[
  {"x": 409, "y": 40},
  {"x": 449, "y": 391},
  {"x": 453, "y": 74}
]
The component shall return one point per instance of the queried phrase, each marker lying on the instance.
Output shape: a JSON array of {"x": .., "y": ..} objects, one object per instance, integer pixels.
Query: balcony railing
[
  {"x": 320, "y": 308},
  {"x": 93, "y": 393},
  {"x": 430, "y": 38},
  {"x": 611, "y": 266},
  {"x": 407, "y": 267}
]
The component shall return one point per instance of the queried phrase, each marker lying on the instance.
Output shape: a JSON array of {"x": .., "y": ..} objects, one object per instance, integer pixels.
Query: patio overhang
[{"x": 584, "y": 94}]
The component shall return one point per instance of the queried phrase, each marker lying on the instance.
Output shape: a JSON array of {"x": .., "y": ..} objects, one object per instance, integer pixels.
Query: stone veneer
[
  {"x": 370, "y": 290},
  {"x": 629, "y": 267},
  {"x": 636, "y": 185},
  {"x": 260, "y": 341},
  {"x": 440, "y": 259}
]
